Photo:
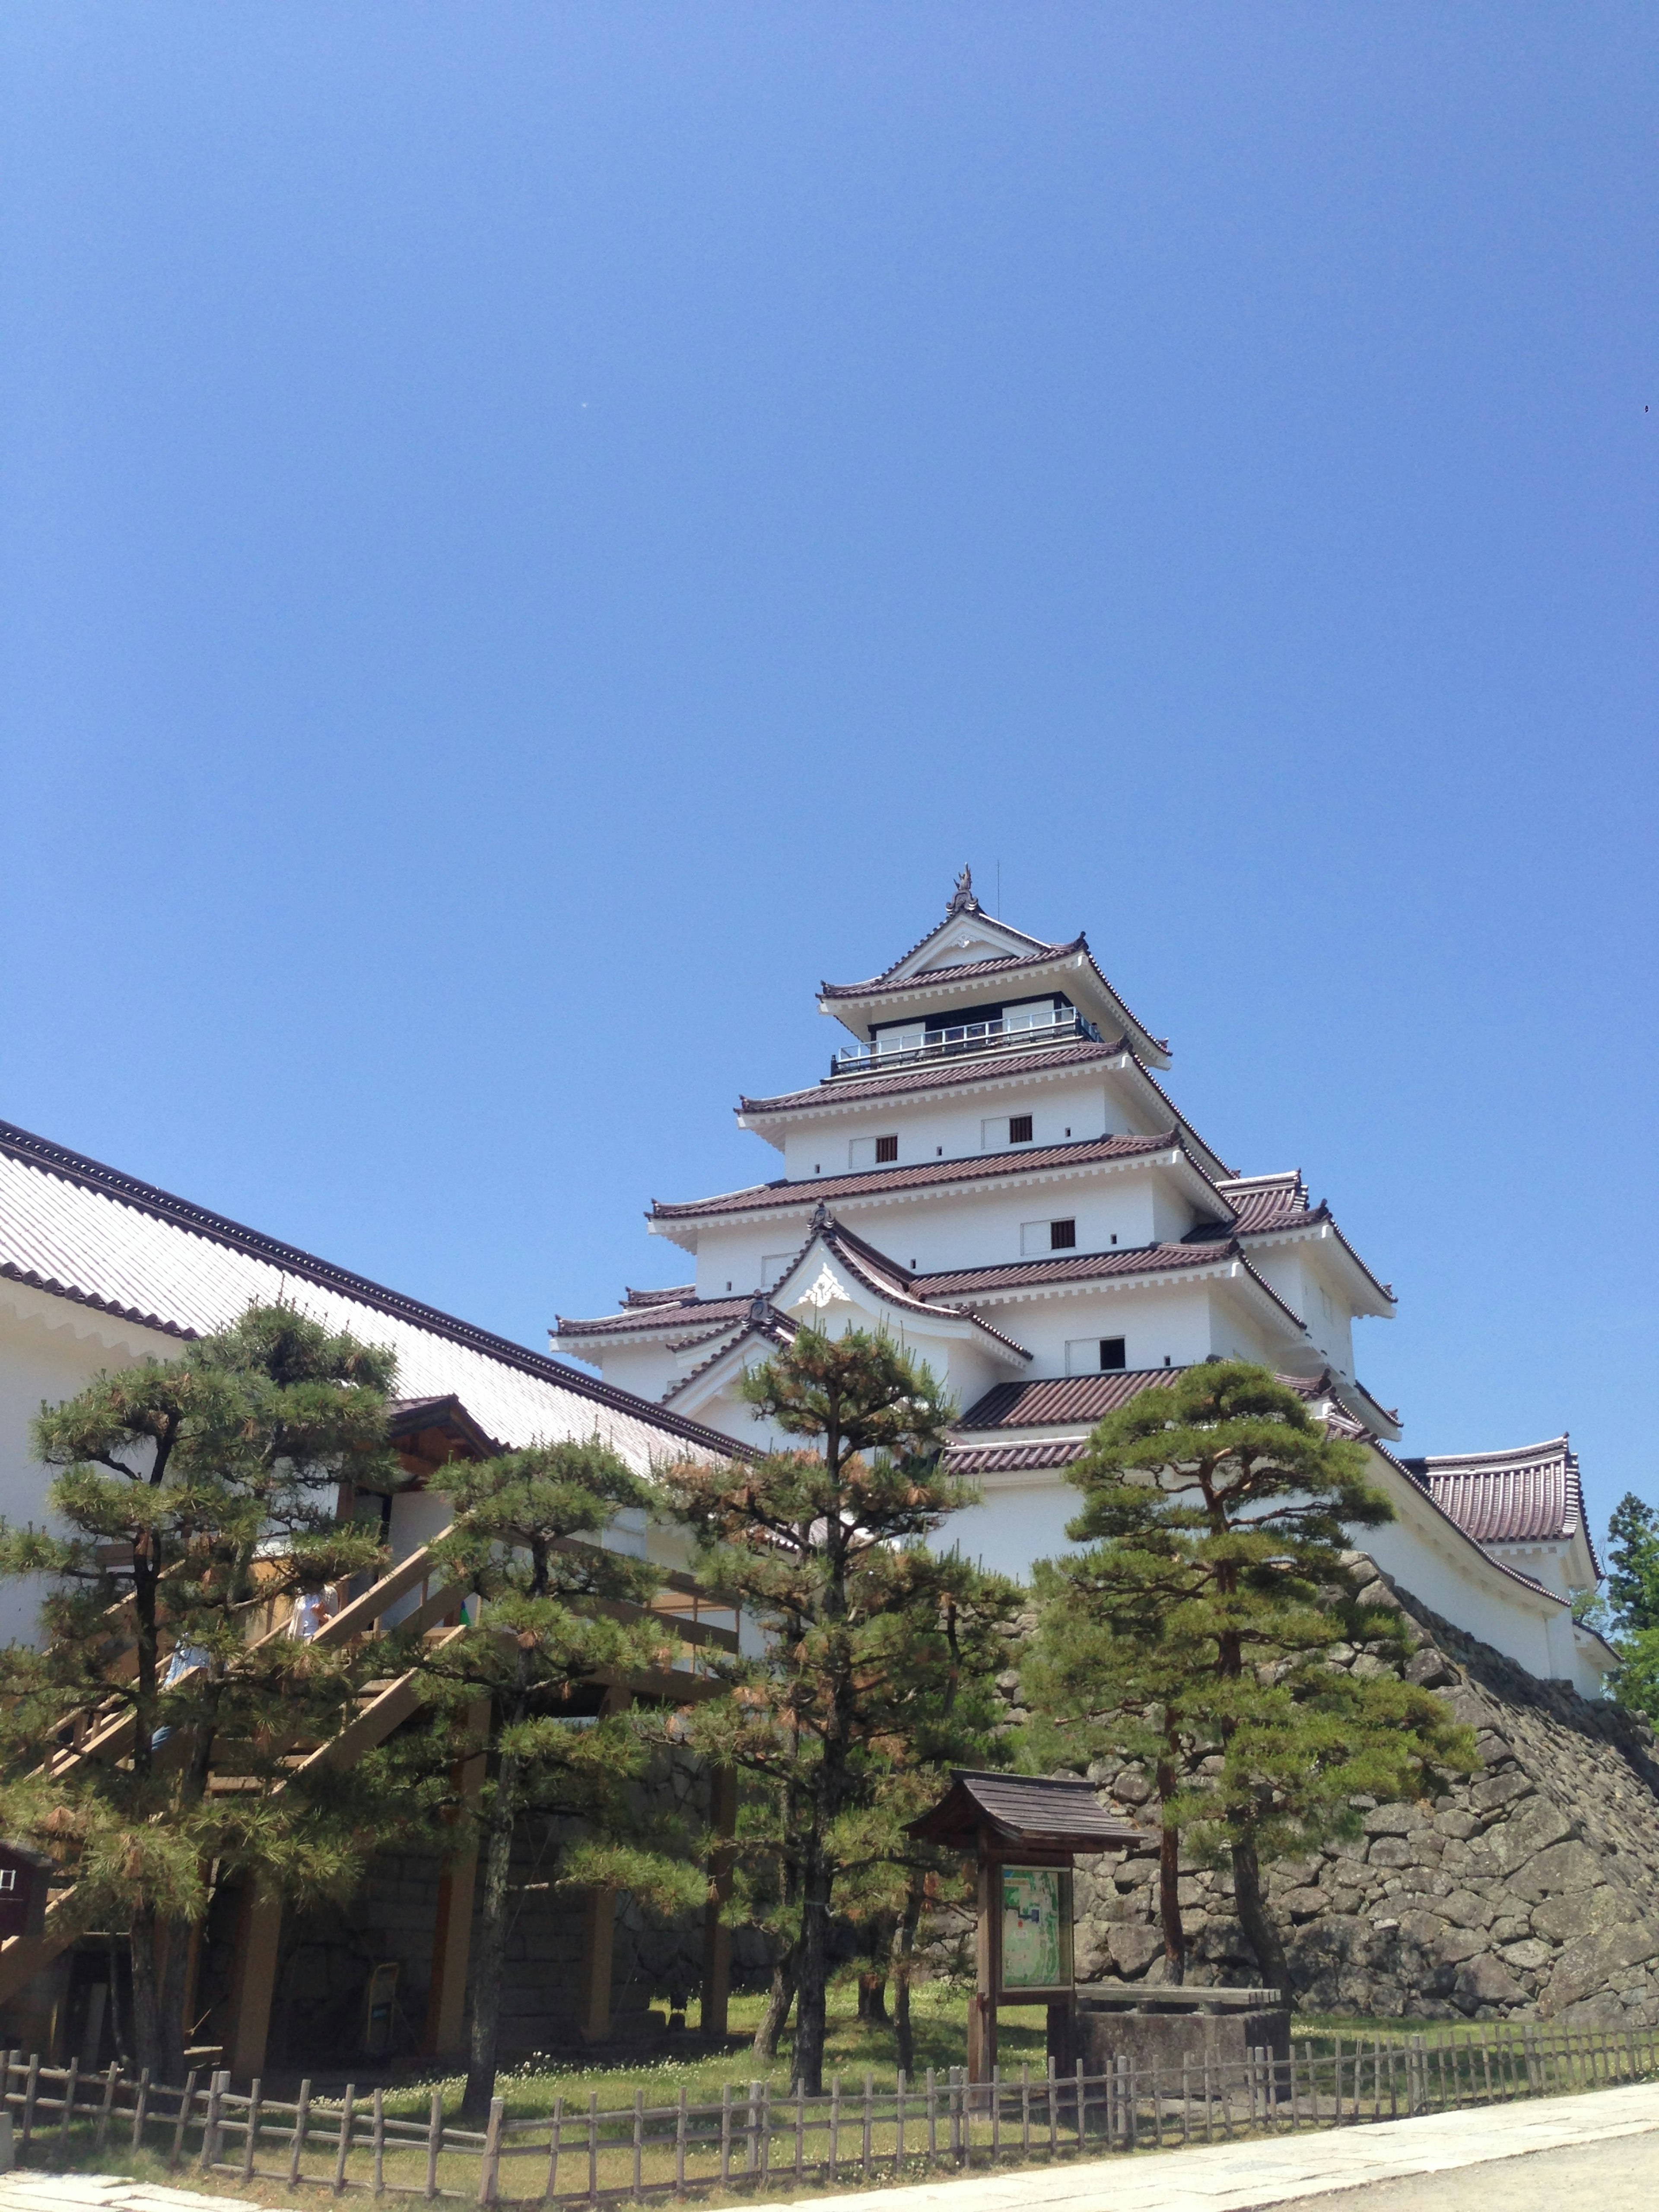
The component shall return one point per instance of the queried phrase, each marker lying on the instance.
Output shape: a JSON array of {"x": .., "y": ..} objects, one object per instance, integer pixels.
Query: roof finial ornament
[{"x": 962, "y": 899}]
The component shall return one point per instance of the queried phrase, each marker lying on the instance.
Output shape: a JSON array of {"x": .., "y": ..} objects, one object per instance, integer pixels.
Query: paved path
[{"x": 1601, "y": 2147}]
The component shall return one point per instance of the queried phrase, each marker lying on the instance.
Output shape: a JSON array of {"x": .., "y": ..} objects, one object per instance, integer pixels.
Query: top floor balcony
[{"x": 921, "y": 1047}]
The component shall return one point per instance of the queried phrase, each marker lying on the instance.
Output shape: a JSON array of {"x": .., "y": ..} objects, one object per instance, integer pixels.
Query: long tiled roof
[
  {"x": 1012, "y": 1459},
  {"x": 1131, "y": 1261},
  {"x": 1529, "y": 1495},
  {"x": 1085, "y": 1151},
  {"x": 82, "y": 1231}
]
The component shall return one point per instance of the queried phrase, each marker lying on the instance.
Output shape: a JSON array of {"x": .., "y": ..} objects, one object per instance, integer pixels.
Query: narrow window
[
  {"x": 1111, "y": 1354},
  {"x": 1019, "y": 1128},
  {"x": 886, "y": 1149},
  {"x": 8, "y": 1877},
  {"x": 1062, "y": 1235}
]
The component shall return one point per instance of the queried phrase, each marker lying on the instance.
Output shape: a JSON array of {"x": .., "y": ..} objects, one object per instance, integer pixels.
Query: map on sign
[{"x": 1037, "y": 1928}]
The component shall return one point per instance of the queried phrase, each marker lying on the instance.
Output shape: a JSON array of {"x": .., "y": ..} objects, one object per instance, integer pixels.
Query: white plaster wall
[
  {"x": 949, "y": 1125},
  {"x": 1135, "y": 1204},
  {"x": 1294, "y": 1273},
  {"x": 50, "y": 1350},
  {"x": 647, "y": 1370}
]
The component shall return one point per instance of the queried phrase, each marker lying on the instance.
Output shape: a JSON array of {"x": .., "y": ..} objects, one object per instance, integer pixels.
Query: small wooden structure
[
  {"x": 25, "y": 1878},
  {"x": 1024, "y": 1833}
]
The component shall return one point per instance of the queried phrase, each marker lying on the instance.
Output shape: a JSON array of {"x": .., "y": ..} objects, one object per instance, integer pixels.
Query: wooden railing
[{"x": 756, "y": 2139}]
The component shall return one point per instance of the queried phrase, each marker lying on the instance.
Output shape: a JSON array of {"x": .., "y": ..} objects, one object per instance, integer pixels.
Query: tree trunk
[
  {"x": 873, "y": 1993},
  {"x": 905, "y": 1946},
  {"x": 811, "y": 1975},
  {"x": 147, "y": 1995},
  {"x": 490, "y": 1951},
  {"x": 1169, "y": 1904},
  {"x": 782, "y": 1996},
  {"x": 171, "y": 2025},
  {"x": 1259, "y": 1931}
]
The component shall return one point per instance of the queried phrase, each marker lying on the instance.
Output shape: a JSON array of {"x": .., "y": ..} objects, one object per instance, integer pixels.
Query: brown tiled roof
[
  {"x": 677, "y": 1297},
  {"x": 1056, "y": 1400},
  {"x": 1013, "y": 1459},
  {"x": 1531, "y": 1494},
  {"x": 844, "y": 1090},
  {"x": 1084, "y": 1152},
  {"x": 1072, "y": 1266},
  {"x": 1043, "y": 1812},
  {"x": 636, "y": 1319},
  {"x": 1063, "y": 1398},
  {"x": 1001, "y": 964},
  {"x": 1263, "y": 1201}
]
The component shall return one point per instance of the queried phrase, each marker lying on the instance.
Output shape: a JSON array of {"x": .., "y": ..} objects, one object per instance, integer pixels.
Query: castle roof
[
  {"x": 869, "y": 1183},
  {"x": 79, "y": 1230},
  {"x": 1529, "y": 1494},
  {"x": 987, "y": 953}
]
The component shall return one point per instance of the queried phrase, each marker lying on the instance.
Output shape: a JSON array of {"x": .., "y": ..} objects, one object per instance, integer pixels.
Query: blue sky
[{"x": 532, "y": 534}]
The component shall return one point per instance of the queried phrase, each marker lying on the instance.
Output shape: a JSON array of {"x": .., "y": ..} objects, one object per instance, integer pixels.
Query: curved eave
[{"x": 1376, "y": 1298}]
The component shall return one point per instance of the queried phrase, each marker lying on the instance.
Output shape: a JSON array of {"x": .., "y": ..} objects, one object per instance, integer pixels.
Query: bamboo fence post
[
  {"x": 801, "y": 2128},
  {"x": 834, "y": 2123},
  {"x": 1227, "y": 2104},
  {"x": 1025, "y": 2111},
  {"x": 765, "y": 2129},
  {"x": 138, "y": 2105},
  {"x": 965, "y": 2096},
  {"x": 31, "y": 2085},
  {"x": 1296, "y": 2116},
  {"x": 1054, "y": 2111},
  {"x": 210, "y": 2123},
  {"x": 489, "y": 2171},
  {"x": 379, "y": 2139},
  {"x": 1077, "y": 2107},
  {"x": 725, "y": 2136},
  {"x": 639, "y": 2141},
  {"x": 253, "y": 2131},
  {"x": 1209, "y": 2107},
  {"x": 107, "y": 2107},
  {"x": 593, "y": 2145},
  {"x": 187, "y": 2098},
  {"x": 869, "y": 2098},
  {"x": 932, "y": 2114},
  {"x": 751, "y": 2124},
  {"x": 344, "y": 2147},
  {"x": 435, "y": 2140},
  {"x": 679, "y": 2150},
  {"x": 898, "y": 2124},
  {"x": 10, "y": 2066},
  {"x": 1186, "y": 2097},
  {"x": 69, "y": 2080},
  {"x": 302, "y": 2114},
  {"x": 996, "y": 2112}
]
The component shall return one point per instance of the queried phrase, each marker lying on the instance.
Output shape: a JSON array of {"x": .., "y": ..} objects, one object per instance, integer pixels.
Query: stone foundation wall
[{"x": 1530, "y": 1889}]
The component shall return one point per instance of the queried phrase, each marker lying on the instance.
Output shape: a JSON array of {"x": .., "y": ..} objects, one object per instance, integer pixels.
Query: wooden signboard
[{"x": 1024, "y": 1832}]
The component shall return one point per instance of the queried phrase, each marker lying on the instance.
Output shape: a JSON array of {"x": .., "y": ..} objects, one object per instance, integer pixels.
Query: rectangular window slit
[
  {"x": 1062, "y": 1235},
  {"x": 1019, "y": 1128},
  {"x": 886, "y": 1149}
]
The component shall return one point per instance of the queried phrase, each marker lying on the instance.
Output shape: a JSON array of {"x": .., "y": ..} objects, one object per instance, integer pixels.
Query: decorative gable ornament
[{"x": 823, "y": 1291}]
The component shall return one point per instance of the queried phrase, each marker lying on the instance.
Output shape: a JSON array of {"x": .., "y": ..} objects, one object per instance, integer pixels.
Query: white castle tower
[{"x": 992, "y": 1172}]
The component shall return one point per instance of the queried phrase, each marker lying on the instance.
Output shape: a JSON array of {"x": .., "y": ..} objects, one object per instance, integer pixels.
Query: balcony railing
[{"x": 997, "y": 1035}]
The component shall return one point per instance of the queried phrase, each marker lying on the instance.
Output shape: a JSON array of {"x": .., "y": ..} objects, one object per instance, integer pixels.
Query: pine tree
[
  {"x": 879, "y": 1652},
  {"x": 555, "y": 1619},
  {"x": 1630, "y": 1612},
  {"x": 1197, "y": 1628},
  {"x": 199, "y": 1497}
]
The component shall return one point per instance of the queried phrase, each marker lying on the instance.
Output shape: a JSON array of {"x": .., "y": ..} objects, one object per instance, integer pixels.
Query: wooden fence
[{"x": 757, "y": 2138}]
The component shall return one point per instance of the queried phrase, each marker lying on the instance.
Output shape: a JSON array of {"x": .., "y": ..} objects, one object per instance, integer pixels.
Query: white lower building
[{"x": 991, "y": 1171}]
